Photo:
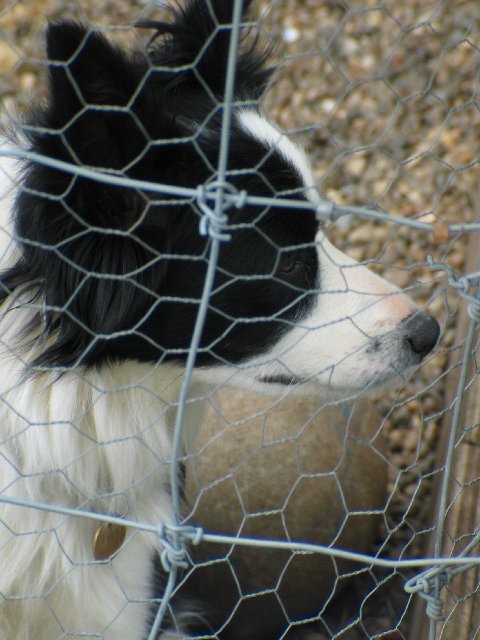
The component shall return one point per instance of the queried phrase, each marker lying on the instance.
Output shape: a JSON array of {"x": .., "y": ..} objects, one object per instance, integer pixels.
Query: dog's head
[{"x": 118, "y": 271}]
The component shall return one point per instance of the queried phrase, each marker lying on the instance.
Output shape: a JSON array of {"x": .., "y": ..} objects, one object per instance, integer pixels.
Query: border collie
[{"x": 100, "y": 290}]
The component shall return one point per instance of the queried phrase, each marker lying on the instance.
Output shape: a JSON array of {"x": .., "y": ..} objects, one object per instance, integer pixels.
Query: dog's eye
[
  {"x": 291, "y": 266},
  {"x": 298, "y": 268}
]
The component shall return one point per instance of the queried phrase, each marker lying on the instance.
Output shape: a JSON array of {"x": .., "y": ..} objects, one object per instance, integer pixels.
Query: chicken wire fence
[{"x": 384, "y": 95}]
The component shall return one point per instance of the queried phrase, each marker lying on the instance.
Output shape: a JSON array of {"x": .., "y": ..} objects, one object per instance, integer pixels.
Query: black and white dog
[{"x": 100, "y": 289}]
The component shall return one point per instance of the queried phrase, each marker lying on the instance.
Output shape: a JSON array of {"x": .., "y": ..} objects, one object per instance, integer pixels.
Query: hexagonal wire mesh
[{"x": 310, "y": 518}]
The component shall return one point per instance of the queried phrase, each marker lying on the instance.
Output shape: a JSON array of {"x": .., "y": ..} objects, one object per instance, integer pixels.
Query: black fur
[{"x": 121, "y": 270}]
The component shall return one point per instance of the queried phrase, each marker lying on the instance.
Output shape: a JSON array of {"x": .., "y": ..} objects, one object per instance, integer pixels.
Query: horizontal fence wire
[
  {"x": 325, "y": 210},
  {"x": 195, "y": 535}
]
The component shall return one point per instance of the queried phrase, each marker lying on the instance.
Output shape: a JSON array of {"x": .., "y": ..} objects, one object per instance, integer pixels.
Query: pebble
[{"x": 8, "y": 58}]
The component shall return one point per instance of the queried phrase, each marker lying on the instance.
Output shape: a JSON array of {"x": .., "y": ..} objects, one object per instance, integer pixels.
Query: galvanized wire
[
  {"x": 325, "y": 210},
  {"x": 196, "y": 535},
  {"x": 214, "y": 202}
]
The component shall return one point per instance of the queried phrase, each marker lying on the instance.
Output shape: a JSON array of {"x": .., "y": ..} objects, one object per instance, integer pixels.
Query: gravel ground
[
  {"x": 384, "y": 100},
  {"x": 383, "y": 95}
]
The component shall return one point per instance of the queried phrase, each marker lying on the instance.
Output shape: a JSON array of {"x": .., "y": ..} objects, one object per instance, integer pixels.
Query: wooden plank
[{"x": 462, "y": 604}]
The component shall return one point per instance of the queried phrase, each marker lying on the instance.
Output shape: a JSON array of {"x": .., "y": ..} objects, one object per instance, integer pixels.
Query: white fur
[
  {"x": 264, "y": 131},
  {"x": 8, "y": 184},
  {"x": 100, "y": 441}
]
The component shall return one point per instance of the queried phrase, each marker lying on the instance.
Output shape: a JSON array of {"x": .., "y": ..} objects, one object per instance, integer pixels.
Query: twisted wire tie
[
  {"x": 462, "y": 284},
  {"x": 175, "y": 555},
  {"x": 212, "y": 223},
  {"x": 423, "y": 584},
  {"x": 325, "y": 211},
  {"x": 473, "y": 309}
]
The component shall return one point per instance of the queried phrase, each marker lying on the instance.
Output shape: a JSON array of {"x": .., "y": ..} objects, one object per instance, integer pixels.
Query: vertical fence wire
[
  {"x": 215, "y": 220},
  {"x": 468, "y": 359}
]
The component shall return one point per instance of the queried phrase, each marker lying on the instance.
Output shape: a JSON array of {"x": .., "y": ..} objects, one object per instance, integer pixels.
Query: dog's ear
[
  {"x": 91, "y": 82},
  {"x": 85, "y": 67},
  {"x": 195, "y": 44},
  {"x": 90, "y": 251}
]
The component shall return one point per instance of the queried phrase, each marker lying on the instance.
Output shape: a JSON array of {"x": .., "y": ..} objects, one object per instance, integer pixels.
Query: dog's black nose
[{"x": 421, "y": 333}]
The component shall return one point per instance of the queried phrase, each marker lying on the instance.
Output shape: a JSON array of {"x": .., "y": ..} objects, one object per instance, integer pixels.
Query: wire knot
[
  {"x": 463, "y": 285},
  {"x": 325, "y": 210},
  {"x": 473, "y": 309},
  {"x": 214, "y": 221},
  {"x": 172, "y": 539},
  {"x": 428, "y": 584},
  {"x": 434, "y": 609}
]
